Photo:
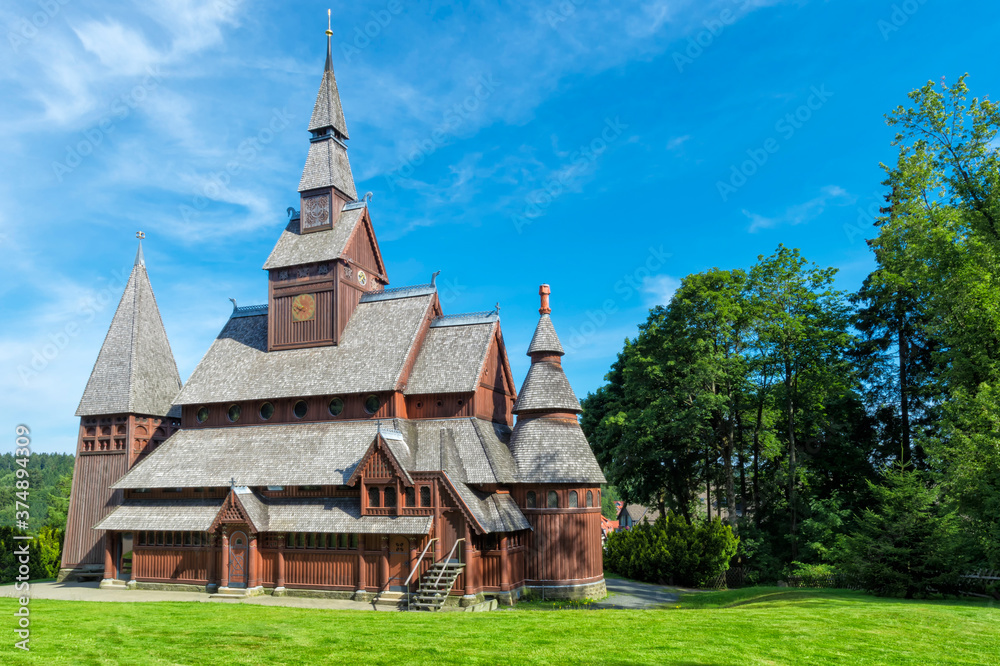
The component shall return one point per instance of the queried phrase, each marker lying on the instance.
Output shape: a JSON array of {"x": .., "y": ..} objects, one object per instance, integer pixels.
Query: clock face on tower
[{"x": 304, "y": 307}]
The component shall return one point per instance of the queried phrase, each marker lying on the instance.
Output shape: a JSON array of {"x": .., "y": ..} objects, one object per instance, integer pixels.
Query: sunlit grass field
[{"x": 751, "y": 626}]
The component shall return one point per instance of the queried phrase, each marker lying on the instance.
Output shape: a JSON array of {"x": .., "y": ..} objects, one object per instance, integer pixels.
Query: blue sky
[{"x": 607, "y": 148}]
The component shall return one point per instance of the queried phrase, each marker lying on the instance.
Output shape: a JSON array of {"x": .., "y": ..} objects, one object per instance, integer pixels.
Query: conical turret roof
[{"x": 135, "y": 372}]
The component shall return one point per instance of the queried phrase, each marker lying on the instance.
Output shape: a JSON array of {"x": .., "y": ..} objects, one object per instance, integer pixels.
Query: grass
[{"x": 756, "y": 626}]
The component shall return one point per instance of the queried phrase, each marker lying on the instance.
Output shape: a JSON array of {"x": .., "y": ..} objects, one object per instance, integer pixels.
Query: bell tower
[{"x": 328, "y": 257}]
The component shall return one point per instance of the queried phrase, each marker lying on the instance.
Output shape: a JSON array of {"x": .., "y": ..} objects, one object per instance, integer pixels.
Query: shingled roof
[
  {"x": 327, "y": 166},
  {"x": 549, "y": 450},
  {"x": 322, "y": 453},
  {"x": 370, "y": 357},
  {"x": 178, "y": 514},
  {"x": 328, "y": 111},
  {"x": 135, "y": 371},
  {"x": 546, "y": 388},
  {"x": 295, "y": 248},
  {"x": 545, "y": 339},
  {"x": 451, "y": 358}
]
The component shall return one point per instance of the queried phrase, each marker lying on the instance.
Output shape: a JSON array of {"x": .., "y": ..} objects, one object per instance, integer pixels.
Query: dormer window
[
  {"x": 390, "y": 497},
  {"x": 373, "y": 498}
]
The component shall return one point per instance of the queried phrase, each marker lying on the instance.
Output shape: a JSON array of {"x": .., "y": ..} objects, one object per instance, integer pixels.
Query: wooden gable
[
  {"x": 232, "y": 511},
  {"x": 362, "y": 248},
  {"x": 379, "y": 465}
]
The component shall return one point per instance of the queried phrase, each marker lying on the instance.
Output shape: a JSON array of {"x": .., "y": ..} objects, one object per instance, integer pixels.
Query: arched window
[
  {"x": 373, "y": 497},
  {"x": 574, "y": 500},
  {"x": 530, "y": 500},
  {"x": 411, "y": 497},
  {"x": 553, "y": 500},
  {"x": 425, "y": 495},
  {"x": 590, "y": 498},
  {"x": 390, "y": 497}
]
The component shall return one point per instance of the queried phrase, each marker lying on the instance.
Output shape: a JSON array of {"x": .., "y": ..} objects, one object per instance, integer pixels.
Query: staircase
[{"x": 435, "y": 585}]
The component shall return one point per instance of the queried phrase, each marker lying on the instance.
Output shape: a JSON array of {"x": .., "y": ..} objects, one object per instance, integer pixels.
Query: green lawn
[{"x": 766, "y": 626}]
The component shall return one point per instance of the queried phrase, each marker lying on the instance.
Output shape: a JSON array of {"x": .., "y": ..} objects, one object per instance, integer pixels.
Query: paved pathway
[
  {"x": 633, "y": 594},
  {"x": 74, "y": 591}
]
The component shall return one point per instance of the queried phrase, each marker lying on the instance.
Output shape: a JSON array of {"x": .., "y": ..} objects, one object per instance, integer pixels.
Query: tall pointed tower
[
  {"x": 328, "y": 257},
  {"x": 554, "y": 459},
  {"x": 125, "y": 412}
]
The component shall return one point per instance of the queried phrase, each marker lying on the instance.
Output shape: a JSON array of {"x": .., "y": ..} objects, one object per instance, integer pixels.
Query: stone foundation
[
  {"x": 169, "y": 587},
  {"x": 597, "y": 590},
  {"x": 72, "y": 572}
]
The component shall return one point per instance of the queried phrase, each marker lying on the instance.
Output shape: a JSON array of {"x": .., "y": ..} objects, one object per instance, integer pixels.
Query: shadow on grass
[{"x": 781, "y": 596}]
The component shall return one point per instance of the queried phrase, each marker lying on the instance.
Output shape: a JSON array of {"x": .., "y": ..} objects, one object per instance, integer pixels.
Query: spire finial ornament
[
  {"x": 544, "y": 292},
  {"x": 139, "y": 259},
  {"x": 329, "y": 31},
  {"x": 329, "y": 44}
]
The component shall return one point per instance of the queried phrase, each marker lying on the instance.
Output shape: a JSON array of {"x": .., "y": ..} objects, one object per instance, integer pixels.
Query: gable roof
[
  {"x": 637, "y": 513},
  {"x": 135, "y": 371},
  {"x": 451, "y": 357},
  {"x": 323, "y": 453},
  {"x": 295, "y": 248},
  {"x": 371, "y": 357}
]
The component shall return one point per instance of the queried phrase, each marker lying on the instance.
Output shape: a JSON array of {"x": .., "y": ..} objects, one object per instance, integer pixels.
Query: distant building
[{"x": 635, "y": 514}]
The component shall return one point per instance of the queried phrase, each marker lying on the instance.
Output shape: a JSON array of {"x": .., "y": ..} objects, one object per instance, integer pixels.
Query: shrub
[{"x": 672, "y": 550}]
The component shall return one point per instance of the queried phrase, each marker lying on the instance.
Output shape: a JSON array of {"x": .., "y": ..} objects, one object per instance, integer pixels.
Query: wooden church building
[{"x": 346, "y": 439}]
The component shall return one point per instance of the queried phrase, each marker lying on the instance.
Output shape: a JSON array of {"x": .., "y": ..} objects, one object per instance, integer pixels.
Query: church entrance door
[
  {"x": 238, "y": 559},
  {"x": 399, "y": 562}
]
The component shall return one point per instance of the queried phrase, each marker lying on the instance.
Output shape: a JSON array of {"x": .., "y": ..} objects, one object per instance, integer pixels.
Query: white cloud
[
  {"x": 659, "y": 289},
  {"x": 831, "y": 195},
  {"x": 677, "y": 142},
  {"x": 119, "y": 48}
]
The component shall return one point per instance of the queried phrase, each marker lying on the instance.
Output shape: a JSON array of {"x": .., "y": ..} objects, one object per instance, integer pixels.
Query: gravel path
[{"x": 633, "y": 594}]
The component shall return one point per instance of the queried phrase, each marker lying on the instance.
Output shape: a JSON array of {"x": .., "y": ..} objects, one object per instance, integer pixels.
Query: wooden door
[
  {"x": 399, "y": 562},
  {"x": 454, "y": 529},
  {"x": 238, "y": 559}
]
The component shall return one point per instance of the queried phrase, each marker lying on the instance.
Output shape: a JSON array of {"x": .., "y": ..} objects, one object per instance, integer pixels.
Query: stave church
[{"x": 346, "y": 439}]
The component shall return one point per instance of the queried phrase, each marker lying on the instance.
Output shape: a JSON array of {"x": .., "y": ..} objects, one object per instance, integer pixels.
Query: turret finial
[{"x": 544, "y": 292}]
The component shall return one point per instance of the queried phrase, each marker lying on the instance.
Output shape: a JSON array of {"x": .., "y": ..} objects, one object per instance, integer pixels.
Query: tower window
[
  {"x": 301, "y": 409},
  {"x": 529, "y": 500},
  {"x": 266, "y": 411},
  {"x": 590, "y": 498},
  {"x": 372, "y": 403},
  {"x": 336, "y": 407},
  {"x": 574, "y": 499},
  {"x": 202, "y": 414},
  {"x": 553, "y": 500},
  {"x": 234, "y": 413}
]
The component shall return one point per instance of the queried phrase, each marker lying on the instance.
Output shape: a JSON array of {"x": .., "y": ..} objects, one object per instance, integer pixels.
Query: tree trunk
[
  {"x": 790, "y": 400},
  {"x": 741, "y": 459},
  {"x": 727, "y": 454},
  {"x": 904, "y": 404},
  {"x": 708, "y": 484}
]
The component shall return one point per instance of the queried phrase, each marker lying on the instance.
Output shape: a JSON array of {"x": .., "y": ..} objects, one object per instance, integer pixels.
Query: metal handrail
[
  {"x": 414, "y": 570},
  {"x": 448, "y": 559}
]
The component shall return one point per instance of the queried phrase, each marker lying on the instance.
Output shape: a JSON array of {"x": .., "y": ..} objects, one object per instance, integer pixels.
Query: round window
[
  {"x": 372, "y": 404},
  {"x": 234, "y": 413},
  {"x": 300, "y": 409},
  {"x": 202, "y": 414},
  {"x": 336, "y": 407},
  {"x": 266, "y": 411}
]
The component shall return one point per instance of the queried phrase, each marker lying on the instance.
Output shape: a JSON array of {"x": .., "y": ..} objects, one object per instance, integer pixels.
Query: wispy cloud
[{"x": 831, "y": 195}]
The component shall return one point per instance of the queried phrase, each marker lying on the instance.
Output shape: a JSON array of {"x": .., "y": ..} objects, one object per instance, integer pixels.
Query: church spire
[
  {"x": 327, "y": 164},
  {"x": 135, "y": 372}
]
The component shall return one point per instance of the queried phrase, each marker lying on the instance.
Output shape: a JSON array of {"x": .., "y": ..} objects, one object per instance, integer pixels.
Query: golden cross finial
[
  {"x": 140, "y": 235},
  {"x": 329, "y": 31}
]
